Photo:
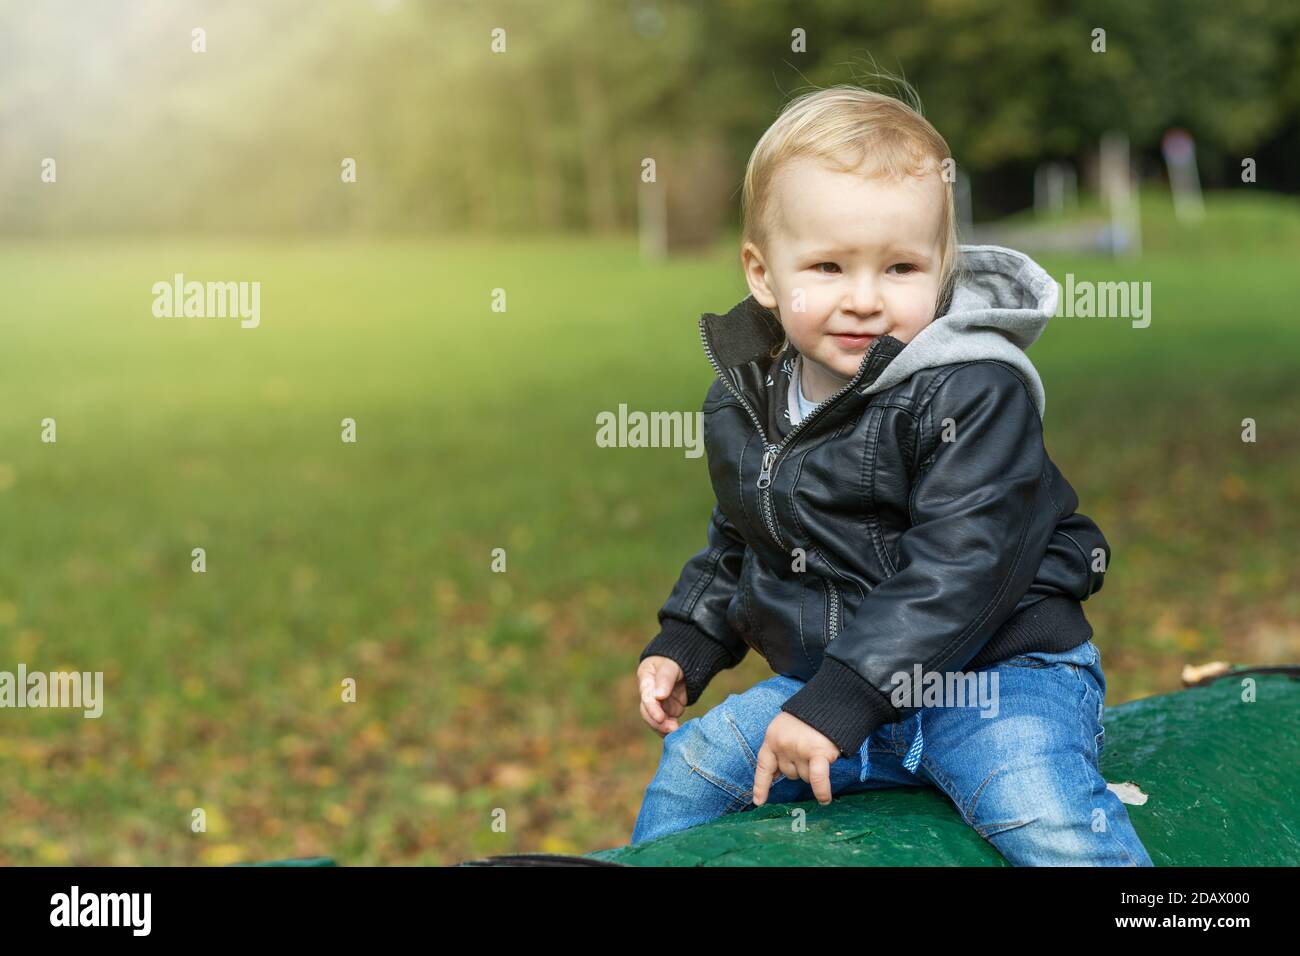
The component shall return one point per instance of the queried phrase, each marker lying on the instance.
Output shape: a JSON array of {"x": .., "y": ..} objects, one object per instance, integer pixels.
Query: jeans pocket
[{"x": 751, "y": 757}]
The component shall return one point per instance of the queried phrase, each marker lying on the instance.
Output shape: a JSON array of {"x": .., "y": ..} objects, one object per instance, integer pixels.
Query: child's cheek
[{"x": 804, "y": 305}]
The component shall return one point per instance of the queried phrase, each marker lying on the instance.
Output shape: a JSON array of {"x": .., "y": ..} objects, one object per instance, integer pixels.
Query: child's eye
[
  {"x": 831, "y": 264},
  {"x": 904, "y": 265}
]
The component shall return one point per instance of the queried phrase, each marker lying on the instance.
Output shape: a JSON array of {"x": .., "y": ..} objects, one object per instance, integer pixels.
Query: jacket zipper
[
  {"x": 773, "y": 452},
  {"x": 834, "y": 610}
]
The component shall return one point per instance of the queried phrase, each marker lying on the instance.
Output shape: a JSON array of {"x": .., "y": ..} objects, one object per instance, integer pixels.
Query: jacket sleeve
[
  {"x": 983, "y": 511},
  {"x": 693, "y": 621},
  {"x": 1078, "y": 557}
]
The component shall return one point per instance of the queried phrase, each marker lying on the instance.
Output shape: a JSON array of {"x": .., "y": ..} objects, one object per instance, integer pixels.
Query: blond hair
[{"x": 879, "y": 136}]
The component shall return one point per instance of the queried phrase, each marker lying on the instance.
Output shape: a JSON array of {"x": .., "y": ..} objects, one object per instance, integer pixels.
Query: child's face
[{"x": 848, "y": 254}]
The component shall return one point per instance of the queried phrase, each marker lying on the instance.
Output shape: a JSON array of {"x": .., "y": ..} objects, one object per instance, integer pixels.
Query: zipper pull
[{"x": 765, "y": 476}]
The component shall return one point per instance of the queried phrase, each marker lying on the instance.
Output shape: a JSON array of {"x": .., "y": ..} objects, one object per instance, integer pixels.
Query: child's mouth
[{"x": 851, "y": 341}]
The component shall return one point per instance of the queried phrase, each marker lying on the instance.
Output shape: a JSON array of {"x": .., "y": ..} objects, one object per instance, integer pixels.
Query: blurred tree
[{"x": 550, "y": 134}]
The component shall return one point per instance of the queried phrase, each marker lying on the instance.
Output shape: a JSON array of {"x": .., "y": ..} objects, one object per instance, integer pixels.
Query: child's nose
[{"x": 864, "y": 297}]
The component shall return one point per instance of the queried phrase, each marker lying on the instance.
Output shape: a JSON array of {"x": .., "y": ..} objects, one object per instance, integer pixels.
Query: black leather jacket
[{"x": 860, "y": 542}]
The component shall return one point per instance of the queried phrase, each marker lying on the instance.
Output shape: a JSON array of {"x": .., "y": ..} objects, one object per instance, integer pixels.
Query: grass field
[{"x": 480, "y": 692}]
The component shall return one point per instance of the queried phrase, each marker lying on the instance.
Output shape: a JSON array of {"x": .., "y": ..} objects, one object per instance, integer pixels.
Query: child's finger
[
  {"x": 819, "y": 775},
  {"x": 672, "y": 706},
  {"x": 649, "y": 700},
  {"x": 648, "y": 717},
  {"x": 664, "y": 683},
  {"x": 661, "y": 727},
  {"x": 763, "y": 774}
]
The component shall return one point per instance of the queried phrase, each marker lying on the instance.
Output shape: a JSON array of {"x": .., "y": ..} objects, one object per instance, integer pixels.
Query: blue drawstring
[
  {"x": 910, "y": 761},
  {"x": 914, "y": 752}
]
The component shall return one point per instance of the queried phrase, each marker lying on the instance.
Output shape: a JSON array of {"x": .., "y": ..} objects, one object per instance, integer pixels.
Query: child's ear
[{"x": 756, "y": 276}]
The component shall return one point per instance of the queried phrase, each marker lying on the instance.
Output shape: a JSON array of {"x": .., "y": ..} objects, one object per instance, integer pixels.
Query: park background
[{"x": 522, "y": 170}]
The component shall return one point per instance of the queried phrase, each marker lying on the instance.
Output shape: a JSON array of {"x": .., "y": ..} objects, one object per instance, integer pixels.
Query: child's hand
[
  {"x": 800, "y": 752},
  {"x": 661, "y": 679}
]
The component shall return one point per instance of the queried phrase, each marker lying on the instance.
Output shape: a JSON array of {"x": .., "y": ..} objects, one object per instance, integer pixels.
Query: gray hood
[{"x": 999, "y": 308}]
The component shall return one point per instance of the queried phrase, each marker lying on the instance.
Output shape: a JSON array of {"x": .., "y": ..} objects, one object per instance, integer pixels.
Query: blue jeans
[{"x": 1025, "y": 779}]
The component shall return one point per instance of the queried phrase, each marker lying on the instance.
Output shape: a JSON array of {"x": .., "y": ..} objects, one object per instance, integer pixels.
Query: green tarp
[{"x": 1221, "y": 775}]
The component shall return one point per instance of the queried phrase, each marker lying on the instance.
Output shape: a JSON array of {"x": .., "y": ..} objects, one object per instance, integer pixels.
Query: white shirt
[{"x": 799, "y": 406}]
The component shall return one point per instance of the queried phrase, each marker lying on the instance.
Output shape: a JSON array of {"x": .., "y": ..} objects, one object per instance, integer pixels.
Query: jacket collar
[
  {"x": 747, "y": 333},
  {"x": 741, "y": 342}
]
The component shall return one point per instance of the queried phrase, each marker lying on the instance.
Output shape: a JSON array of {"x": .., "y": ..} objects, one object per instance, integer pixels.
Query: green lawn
[{"x": 478, "y": 691}]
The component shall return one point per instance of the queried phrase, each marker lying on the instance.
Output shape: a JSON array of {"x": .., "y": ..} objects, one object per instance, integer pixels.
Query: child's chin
[
  {"x": 845, "y": 362},
  {"x": 845, "y": 370}
]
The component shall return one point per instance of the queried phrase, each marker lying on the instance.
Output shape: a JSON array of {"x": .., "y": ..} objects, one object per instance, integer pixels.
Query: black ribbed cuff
[
  {"x": 699, "y": 656},
  {"x": 840, "y": 704}
]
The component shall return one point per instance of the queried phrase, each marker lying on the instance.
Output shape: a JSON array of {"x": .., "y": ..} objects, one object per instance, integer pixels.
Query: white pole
[{"x": 652, "y": 221}]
